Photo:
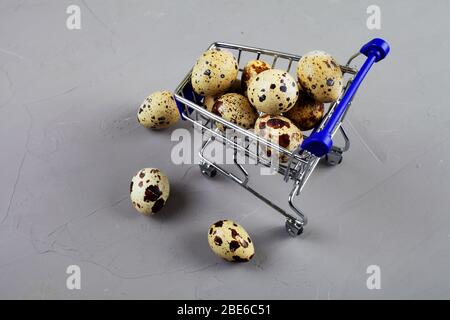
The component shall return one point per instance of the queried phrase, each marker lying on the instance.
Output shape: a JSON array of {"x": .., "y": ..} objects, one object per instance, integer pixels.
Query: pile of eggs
[{"x": 270, "y": 101}]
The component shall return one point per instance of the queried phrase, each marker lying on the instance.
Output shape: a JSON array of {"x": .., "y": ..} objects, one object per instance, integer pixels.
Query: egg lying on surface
[
  {"x": 278, "y": 130},
  {"x": 307, "y": 113},
  {"x": 149, "y": 190},
  {"x": 158, "y": 111},
  {"x": 273, "y": 91},
  {"x": 235, "y": 108},
  {"x": 320, "y": 76},
  {"x": 252, "y": 68},
  {"x": 230, "y": 241},
  {"x": 214, "y": 72}
]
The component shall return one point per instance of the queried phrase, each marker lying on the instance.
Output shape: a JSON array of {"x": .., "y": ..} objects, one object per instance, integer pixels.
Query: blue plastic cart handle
[{"x": 320, "y": 143}]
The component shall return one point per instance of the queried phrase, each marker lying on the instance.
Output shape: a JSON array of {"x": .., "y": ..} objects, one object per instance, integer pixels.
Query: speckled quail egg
[
  {"x": 235, "y": 108},
  {"x": 214, "y": 72},
  {"x": 320, "y": 76},
  {"x": 273, "y": 91},
  {"x": 278, "y": 130},
  {"x": 252, "y": 68},
  {"x": 158, "y": 111},
  {"x": 307, "y": 113},
  {"x": 209, "y": 101},
  {"x": 230, "y": 241},
  {"x": 149, "y": 190}
]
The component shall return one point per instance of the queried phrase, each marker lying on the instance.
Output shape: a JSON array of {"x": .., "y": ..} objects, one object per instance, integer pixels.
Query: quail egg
[
  {"x": 320, "y": 76},
  {"x": 158, "y": 111},
  {"x": 235, "y": 108},
  {"x": 273, "y": 91},
  {"x": 251, "y": 69},
  {"x": 278, "y": 130},
  {"x": 230, "y": 241},
  {"x": 306, "y": 113},
  {"x": 214, "y": 72},
  {"x": 209, "y": 101},
  {"x": 149, "y": 190}
]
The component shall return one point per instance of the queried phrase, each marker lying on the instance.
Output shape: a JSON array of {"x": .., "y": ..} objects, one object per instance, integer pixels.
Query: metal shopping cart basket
[{"x": 317, "y": 145}]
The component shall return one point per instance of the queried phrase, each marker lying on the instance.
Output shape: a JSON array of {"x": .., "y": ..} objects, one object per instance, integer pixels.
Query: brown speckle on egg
[
  {"x": 158, "y": 205},
  {"x": 152, "y": 193},
  {"x": 284, "y": 140},
  {"x": 239, "y": 259},
  {"x": 234, "y": 245},
  {"x": 277, "y": 123},
  {"x": 218, "y": 240}
]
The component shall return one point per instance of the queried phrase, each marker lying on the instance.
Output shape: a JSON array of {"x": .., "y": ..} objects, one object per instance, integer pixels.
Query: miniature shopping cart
[{"x": 317, "y": 145}]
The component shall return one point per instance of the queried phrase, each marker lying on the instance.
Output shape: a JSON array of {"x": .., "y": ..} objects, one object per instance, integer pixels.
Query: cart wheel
[
  {"x": 294, "y": 228},
  {"x": 208, "y": 170},
  {"x": 333, "y": 158}
]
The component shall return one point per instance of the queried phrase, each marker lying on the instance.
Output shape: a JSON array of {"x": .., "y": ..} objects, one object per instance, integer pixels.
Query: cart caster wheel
[
  {"x": 294, "y": 228},
  {"x": 208, "y": 171},
  {"x": 333, "y": 158}
]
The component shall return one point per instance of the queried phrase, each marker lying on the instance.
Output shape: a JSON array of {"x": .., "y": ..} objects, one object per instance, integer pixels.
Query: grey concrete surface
[{"x": 69, "y": 145}]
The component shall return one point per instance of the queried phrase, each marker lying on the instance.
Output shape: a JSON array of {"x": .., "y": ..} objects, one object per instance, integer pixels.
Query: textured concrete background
[{"x": 70, "y": 143}]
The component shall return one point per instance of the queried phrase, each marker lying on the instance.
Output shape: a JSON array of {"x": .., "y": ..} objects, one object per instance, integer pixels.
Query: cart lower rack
[{"x": 319, "y": 144}]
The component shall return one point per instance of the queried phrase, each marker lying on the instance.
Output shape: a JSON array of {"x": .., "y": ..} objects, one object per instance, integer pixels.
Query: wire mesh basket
[{"x": 302, "y": 161}]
